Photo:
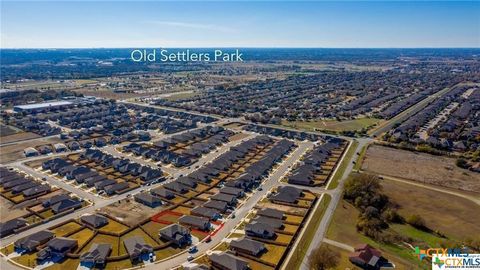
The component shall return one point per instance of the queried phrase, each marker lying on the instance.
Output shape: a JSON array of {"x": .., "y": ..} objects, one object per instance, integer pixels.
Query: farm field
[
  {"x": 459, "y": 218},
  {"x": 421, "y": 167}
]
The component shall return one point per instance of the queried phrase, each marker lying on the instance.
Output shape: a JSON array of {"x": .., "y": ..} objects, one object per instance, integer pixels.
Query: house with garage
[
  {"x": 248, "y": 246},
  {"x": 148, "y": 199},
  {"x": 178, "y": 234},
  {"x": 57, "y": 249},
  {"x": 226, "y": 261},
  {"x": 96, "y": 256},
  {"x": 137, "y": 249},
  {"x": 196, "y": 222},
  {"x": 31, "y": 242},
  {"x": 94, "y": 220}
]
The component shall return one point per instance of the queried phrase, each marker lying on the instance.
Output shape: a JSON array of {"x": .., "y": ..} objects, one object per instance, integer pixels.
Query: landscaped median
[{"x": 298, "y": 254}]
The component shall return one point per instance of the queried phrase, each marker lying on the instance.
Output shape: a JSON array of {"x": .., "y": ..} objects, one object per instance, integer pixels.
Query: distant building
[{"x": 37, "y": 107}]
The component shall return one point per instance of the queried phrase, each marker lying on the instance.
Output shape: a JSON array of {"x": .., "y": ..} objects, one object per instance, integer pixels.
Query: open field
[
  {"x": 180, "y": 96},
  {"x": 447, "y": 214},
  {"x": 9, "y": 211},
  {"x": 9, "y": 137},
  {"x": 453, "y": 216},
  {"x": 7, "y": 131},
  {"x": 421, "y": 167},
  {"x": 334, "y": 125},
  {"x": 342, "y": 229},
  {"x": 13, "y": 152}
]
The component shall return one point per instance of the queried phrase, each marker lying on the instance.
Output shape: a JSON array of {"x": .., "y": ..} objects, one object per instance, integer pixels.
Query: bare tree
[{"x": 324, "y": 258}]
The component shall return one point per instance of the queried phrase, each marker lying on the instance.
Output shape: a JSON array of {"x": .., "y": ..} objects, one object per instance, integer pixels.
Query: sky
[{"x": 163, "y": 24}]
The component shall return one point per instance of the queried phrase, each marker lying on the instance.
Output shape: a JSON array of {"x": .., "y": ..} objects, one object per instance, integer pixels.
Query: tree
[
  {"x": 417, "y": 222},
  {"x": 324, "y": 258}
]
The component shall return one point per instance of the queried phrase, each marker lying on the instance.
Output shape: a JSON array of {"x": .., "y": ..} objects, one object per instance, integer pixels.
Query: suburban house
[
  {"x": 179, "y": 235},
  {"x": 271, "y": 213},
  {"x": 162, "y": 193},
  {"x": 369, "y": 258},
  {"x": 137, "y": 249},
  {"x": 261, "y": 230},
  {"x": 31, "y": 242},
  {"x": 227, "y": 261},
  {"x": 195, "y": 222},
  {"x": 95, "y": 221},
  {"x": 57, "y": 248},
  {"x": 96, "y": 256},
  {"x": 9, "y": 227},
  {"x": 205, "y": 212},
  {"x": 286, "y": 194},
  {"x": 248, "y": 246},
  {"x": 148, "y": 199}
]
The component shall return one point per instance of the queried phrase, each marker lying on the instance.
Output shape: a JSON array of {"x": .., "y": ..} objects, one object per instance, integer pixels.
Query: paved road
[
  {"x": 336, "y": 197},
  {"x": 240, "y": 212},
  {"x": 408, "y": 113}
]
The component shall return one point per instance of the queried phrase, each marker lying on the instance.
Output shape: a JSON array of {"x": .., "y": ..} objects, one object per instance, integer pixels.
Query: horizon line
[{"x": 228, "y": 47}]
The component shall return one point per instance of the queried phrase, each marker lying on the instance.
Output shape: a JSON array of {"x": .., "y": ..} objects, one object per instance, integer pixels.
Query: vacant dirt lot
[
  {"x": 129, "y": 211},
  {"x": 13, "y": 137},
  {"x": 420, "y": 167},
  {"x": 10, "y": 211}
]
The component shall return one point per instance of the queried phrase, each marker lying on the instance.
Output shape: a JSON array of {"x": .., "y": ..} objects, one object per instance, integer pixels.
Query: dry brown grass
[{"x": 420, "y": 167}]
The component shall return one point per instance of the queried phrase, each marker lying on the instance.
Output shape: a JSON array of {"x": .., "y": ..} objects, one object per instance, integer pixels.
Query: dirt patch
[
  {"x": 421, "y": 167},
  {"x": 10, "y": 211},
  {"x": 13, "y": 152},
  {"x": 129, "y": 211},
  {"x": 9, "y": 137}
]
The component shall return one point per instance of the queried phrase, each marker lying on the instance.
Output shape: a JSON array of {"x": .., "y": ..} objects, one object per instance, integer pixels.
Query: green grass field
[
  {"x": 334, "y": 125},
  {"x": 343, "y": 166}
]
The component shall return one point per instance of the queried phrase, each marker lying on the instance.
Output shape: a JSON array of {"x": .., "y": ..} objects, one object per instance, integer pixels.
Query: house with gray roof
[
  {"x": 148, "y": 199},
  {"x": 248, "y": 246},
  {"x": 178, "y": 234},
  {"x": 32, "y": 241},
  {"x": 271, "y": 213},
  {"x": 66, "y": 205},
  {"x": 229, "y": 199},
  {"x": 57, "y": 249},
  {"x": 261, "y": 230},
  {"x": 238, "y": 192},
  {"x": 137, "y": 249},
  {"x": 226, "y": 261},
  {"x": 217, "y": 205},
  {"x": 96, "y": 256},
  {"x": 162, "y": 193},
  {"x": 200, "y": 223},
  {"x": 205, "y": 212},
  {"x": 286, "y": 194},
  {"x": 95, "y": 221},
  {"x": 9, "y": 227}
]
